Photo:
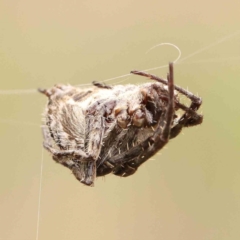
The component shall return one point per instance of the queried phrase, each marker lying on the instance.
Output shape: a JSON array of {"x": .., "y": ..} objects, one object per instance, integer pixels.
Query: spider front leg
[
  {"x": 196, "y": 101},
  {"x": 190, "y": 117},
  {"x": 127, "y": 162}
]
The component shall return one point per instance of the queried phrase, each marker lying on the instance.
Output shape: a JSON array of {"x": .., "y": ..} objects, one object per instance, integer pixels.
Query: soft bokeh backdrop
[{"x": 192, "y": 190}]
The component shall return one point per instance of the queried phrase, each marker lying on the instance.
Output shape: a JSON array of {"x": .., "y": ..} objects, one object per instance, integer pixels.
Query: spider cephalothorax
[{"x": 103, "y": 129}]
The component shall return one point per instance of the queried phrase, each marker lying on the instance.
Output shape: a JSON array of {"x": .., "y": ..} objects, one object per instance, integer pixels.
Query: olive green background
[{"x": 190, "y": 191}]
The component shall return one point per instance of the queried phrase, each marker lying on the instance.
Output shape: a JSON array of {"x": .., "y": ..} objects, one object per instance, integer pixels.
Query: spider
[{"x": 114, "y": 129}]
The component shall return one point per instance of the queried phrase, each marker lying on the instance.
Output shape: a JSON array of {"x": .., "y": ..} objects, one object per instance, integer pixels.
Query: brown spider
[{"x": 104, "y": 129}]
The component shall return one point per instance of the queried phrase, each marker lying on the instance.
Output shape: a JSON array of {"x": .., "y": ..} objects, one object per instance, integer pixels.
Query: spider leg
[
  {"x": 189, "y": 118},
  {"x": 98, "y": 125},
  {"x": 101, "y": 85},
  {"x": 49, "y": 92},
  {"x": 104, "y": 169},
  {"x": 124, "y": 170},
  {"x": 127, "y": 162},
  {"x": 96, "y": 132},
  {"x": 44, "y": 91},
  {"x": 196, "y": 101}
]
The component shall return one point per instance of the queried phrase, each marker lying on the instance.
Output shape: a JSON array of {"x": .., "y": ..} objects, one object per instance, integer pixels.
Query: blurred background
[{"x": 190, "y": 191}]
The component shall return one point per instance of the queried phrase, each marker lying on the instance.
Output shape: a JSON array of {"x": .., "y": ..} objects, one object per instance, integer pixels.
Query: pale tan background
[{"x": 191, "y": 191}]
